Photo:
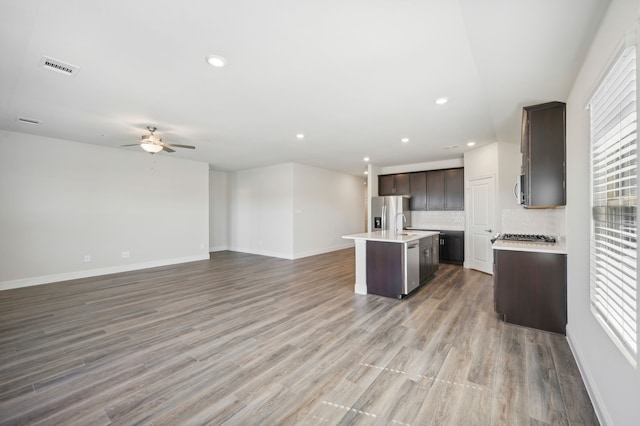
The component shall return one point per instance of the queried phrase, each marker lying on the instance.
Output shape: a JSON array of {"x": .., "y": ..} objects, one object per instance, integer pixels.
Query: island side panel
[
  {"x": 384, "y": 268},
  {"x": 361, "y": 267}
]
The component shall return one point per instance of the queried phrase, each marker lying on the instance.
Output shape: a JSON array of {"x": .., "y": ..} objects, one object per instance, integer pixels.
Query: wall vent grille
[
  {"x": 58, "y": 66},
  {"x": 28, "y": 120}
]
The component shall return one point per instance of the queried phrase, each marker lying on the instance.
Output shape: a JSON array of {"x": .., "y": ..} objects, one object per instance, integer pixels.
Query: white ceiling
[{"x": 355, "y": 76}]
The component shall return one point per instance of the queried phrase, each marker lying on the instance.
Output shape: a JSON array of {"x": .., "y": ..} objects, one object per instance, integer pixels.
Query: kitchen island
[{"x": 382, "y": 264}]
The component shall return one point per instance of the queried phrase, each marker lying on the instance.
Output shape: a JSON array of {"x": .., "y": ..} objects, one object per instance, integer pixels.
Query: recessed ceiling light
[
  {"x": 471, "y": 143},
  {"x": 300, "y": 136},
  {"x": 366, "y": 172},
  {"x": 216, "y": 61},
  {"x": 366, "y": 159},
  {"x": 404, "y": 140},
  {"x": 441, "y": 101}
]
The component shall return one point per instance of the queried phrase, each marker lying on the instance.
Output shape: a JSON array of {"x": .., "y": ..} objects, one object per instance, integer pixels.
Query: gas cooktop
[{"x": 531, "y": 238}]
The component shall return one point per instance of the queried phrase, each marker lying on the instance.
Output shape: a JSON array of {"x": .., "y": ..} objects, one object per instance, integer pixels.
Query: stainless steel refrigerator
[{"x": 387, "y": 211}]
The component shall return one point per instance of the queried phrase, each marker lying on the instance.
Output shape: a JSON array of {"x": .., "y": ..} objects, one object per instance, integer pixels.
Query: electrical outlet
[
  {"x": 125, "y": 254},
  {"x": 87, "y": 258}
]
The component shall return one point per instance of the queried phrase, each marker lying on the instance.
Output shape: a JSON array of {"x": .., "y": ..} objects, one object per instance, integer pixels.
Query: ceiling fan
[{"x": 153, "y": 144}]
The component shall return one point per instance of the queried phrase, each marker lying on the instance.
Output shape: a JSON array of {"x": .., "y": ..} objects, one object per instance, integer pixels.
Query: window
[{"x": 614, "y": 203}]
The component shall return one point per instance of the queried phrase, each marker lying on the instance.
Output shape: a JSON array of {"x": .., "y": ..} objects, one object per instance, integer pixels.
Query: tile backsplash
[
  {"x": 535, "y": 221},
  {"x": 514, "y": 221},
  {"x": 437, "y": 219}
]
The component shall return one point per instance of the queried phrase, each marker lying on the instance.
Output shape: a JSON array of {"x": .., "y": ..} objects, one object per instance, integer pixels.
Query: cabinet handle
[{"x": 488, "y": 230}]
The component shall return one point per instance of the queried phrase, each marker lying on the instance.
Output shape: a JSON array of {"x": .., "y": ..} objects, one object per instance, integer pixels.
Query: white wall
[
  {"x": 261, "y": 211},
  {"x": 218, "y": 211},
  {"x": 613, "y": 383},
  {"x": 62, "y": 200},
  {"x": 292, "y": 210},
  {"x": 327, "y": 205},
  {"x": 481, "y": 162},
  {"x": 372, "y": 190},
  {"x": 509, "y": 162}
]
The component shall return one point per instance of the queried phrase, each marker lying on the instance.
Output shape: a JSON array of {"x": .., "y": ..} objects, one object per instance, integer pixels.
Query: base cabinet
[
  {"x": 429, "y": 258},
  {"x": 386, "y": 265},
  {"x": 452, "y": 247},
  {"x": 530, "y": 289}
]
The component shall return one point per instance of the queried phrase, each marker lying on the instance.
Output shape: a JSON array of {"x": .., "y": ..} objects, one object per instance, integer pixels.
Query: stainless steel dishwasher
[{"x": 411, "y": 266}]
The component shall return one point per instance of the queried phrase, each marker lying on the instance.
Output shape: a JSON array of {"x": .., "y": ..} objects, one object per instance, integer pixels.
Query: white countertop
[
  {"x": 390, "y": 236},
  {"x": 557, "y": 248}
]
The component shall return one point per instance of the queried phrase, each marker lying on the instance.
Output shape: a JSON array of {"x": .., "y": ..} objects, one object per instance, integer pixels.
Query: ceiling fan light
[
  {"x": 151, "y": 139},
  {"x": 151, "y": 147}
]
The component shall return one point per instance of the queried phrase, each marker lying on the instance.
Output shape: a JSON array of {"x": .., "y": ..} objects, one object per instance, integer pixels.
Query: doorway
[{"x": 481, "y": 223}]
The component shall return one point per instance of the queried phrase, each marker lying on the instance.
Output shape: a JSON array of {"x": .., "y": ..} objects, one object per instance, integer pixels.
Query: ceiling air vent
[
  {"x": 58, "y": 66},
  {"x": 28, "y": 120}
]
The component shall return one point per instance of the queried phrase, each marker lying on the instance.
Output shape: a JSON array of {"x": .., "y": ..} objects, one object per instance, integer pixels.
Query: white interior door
[{"x": 481, "y": 223}]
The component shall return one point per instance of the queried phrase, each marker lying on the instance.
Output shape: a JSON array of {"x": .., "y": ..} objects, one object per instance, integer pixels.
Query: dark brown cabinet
[
  {"x": 430, "y": 190},
  {"x": 435, "y": 190},
  {"x": 429, "y": 249},
  {"x": 452, "y": 247},
  {"x": 543, "y": 150},
  {"x": 385, "y": 263},
  {"x": 530, "y": 289},
  {"x": 454, "y": 189},
  {"x": 397, "y": 184},
  {"x": 445, "y": 189},
  {"x": 418, "y": 186}
]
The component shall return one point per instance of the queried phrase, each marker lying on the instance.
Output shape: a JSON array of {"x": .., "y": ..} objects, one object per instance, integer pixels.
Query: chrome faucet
[{"x": 404, "y": 218}]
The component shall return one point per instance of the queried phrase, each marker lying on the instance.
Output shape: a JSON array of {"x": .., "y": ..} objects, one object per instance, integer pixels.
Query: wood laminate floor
[{"x": 244, "y": 339}]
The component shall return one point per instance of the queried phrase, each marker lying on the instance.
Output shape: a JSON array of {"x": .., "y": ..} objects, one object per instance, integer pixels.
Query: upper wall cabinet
[
  {"x": 435, "y": 190},
  {"x": 418, "y": 183},
  {"x": 445, "y": 189},
  {"x": 397, "y": 184},
  {"x": 454, "y": 189},
  {"x": 430, "y": 190},
  {"x": 544, "y": 154}
]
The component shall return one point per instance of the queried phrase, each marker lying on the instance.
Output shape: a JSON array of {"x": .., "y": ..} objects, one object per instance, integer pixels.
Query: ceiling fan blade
[
  {"x": 180, "y": 146},
  {"x": 166, "y": 148},
  {"x": 132, "y": 144}
]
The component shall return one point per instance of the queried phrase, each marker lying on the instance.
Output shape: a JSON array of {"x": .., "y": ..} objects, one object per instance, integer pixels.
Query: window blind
[{"x": 614, "y": 202}]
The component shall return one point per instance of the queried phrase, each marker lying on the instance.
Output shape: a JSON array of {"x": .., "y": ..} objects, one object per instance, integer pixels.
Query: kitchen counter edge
[
  {"x": 391, "y": 237},
  {"x": 557, "y": 248}
]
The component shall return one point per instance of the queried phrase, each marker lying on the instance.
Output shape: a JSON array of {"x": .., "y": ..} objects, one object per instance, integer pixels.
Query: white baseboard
[
  {"x": 218, "y": 248},
  {"x": 324, "y": 250},
  {"x": 289, "y": 255},
  {"x": 47, "y": 279},
  {"x": 262, "y": 252},
  {"x": 601, "y": 411}
]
